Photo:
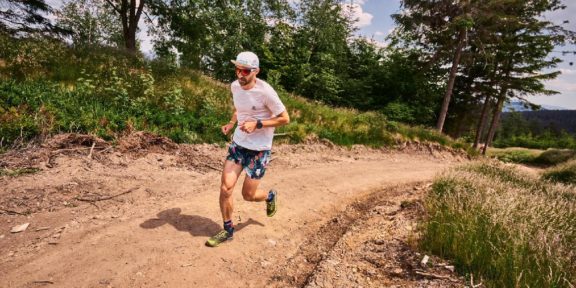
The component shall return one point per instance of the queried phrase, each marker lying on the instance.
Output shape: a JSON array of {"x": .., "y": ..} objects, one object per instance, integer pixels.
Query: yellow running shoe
[
  {"x": 219, "y": 238},
  {"x": 272, "y": 205}
]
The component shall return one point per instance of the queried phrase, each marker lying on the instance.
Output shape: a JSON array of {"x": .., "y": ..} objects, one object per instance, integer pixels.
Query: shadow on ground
[{"x": 193, "y": 224}]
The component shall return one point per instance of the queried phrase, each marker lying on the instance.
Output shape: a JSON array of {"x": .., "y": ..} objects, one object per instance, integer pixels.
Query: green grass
[
  {"x": 553, "y": 157},
  {"x": 508, "y": 228},
  {"x": 514, "y": 154},
  {"x": 18, "y": 172},
  {"x": 536, "y": 157}
]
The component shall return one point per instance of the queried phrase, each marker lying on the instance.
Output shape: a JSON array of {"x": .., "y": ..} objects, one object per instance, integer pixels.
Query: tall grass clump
[
  {"x": 508, "y": 228},
  {"x": 515, "y": 155},
  {"x": 339, "y": 125},
  {"x": 562, "y": 173},
  {"x": 553, "y": 157},
  {"x": 344, "y": 126}
]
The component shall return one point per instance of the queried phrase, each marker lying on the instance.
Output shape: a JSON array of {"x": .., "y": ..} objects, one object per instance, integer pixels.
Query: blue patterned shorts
[{"x": 253, "y": 162}]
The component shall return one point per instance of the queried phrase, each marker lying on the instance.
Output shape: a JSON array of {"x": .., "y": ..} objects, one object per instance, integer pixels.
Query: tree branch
[{"x": 114, "y": 6}]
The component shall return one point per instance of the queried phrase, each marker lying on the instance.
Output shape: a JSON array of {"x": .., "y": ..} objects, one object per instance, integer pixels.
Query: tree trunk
[
  {"x": 482, "y": 122},
  {"x": 130, "y": 16},
  {"x": 460, "y": 128},
  {"x": 495, "y": 119},
  {"x": 451, "y": 79}
]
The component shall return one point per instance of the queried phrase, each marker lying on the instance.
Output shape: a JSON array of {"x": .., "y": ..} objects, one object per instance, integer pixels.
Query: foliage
[
  {"x": 517, "y": 130},
  {"x": 503, "y": 226},
  {"x": 25, "y": 17},
  {"x": 506, "y": 51},
  {"x": 208, "y": 34},
  {"x": 91, "y": 22},
  {"x": 29, "y": 58},
  {"x": 542, "y": 141}
]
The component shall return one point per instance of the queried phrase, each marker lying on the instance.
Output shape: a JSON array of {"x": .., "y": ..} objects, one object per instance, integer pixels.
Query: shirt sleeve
[{"x": 273, "y": 102}]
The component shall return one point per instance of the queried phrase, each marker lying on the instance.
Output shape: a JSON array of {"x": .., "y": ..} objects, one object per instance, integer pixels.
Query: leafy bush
[{"x": 397, "y": 111}]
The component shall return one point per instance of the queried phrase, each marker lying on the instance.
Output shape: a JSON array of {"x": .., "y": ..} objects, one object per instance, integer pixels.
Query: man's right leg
[{"x": 230, "y": 175}]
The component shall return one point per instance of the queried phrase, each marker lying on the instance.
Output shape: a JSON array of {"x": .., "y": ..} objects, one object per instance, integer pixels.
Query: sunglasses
[{"x": 245, "y": 71}]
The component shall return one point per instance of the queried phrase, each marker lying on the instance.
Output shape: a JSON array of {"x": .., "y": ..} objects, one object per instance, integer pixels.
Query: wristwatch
[{"x": 259, "y": 124}]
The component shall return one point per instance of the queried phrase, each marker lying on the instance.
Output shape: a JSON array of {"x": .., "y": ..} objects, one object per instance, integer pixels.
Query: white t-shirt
[{"x": 259, "y": 102}]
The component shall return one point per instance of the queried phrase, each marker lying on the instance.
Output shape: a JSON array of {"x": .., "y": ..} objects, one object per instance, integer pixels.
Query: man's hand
[
  {"x": 227, "y": 128},
  {"x": 248, "y": 126}
]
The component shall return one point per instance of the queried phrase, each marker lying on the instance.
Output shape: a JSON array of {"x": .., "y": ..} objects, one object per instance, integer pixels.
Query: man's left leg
[{"x": 250, "y": 192}]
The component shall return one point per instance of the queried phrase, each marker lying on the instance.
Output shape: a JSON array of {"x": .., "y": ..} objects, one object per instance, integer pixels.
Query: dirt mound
[
  {"x": 42, "y": 156},
  {"x": 73, "y": 140},
  {"x": 145, "y": 142}
]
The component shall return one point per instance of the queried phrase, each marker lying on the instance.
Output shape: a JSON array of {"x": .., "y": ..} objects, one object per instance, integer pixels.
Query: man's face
[{"x": 245, "y": 75}]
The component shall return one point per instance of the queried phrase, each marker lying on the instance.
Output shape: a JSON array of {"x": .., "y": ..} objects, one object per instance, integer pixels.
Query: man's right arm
[{"x": 228, "y": 126}]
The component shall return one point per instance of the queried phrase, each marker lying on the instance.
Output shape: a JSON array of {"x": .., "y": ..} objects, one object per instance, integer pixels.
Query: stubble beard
[{"x": 243, "y": 81}]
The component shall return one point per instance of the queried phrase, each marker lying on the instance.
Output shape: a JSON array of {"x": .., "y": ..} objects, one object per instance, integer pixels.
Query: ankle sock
[
  {"x": 270, "y": 196},
  {"x": 229, "y": 227}
]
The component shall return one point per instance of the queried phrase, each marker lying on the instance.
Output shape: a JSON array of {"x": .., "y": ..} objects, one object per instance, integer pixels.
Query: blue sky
[{"x": 375, "y": 22}]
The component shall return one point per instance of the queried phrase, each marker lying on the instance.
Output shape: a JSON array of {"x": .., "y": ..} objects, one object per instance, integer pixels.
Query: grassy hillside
[
  {"x": 508, "y": 228},
  {"x": 108, "y": 94},
  {"x": 534, "y": 157}
]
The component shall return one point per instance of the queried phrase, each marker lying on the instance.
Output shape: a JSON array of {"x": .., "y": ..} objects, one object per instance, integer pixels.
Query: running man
[{"x": 257, "y": 110}]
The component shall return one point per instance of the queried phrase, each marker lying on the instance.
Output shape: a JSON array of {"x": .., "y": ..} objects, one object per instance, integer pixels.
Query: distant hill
[
  {"x": 521, "y": 107},
  {"x": 554, "y": 119}
]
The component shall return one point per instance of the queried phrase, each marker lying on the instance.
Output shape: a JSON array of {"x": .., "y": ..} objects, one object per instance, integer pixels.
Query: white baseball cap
[{"x": 247, "y": 59}]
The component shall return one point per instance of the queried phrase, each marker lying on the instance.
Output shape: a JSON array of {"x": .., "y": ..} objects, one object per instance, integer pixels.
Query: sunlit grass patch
[
  {"x": 514, "y": 154},
  {"x": 555, "y": 156},
  {"x": 509, "y": 228},
  {"x": 563, "y": 173}
]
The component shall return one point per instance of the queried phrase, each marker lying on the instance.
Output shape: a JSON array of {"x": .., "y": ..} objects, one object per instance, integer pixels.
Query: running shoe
[
  {"x": 218, "y": 239},
  {"x": 272, "y": 205}
]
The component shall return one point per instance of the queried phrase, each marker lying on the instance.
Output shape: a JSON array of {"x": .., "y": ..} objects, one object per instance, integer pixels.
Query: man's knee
[
  {"x": 226, "y": 190},
  {"x": 248, "y": 194}
]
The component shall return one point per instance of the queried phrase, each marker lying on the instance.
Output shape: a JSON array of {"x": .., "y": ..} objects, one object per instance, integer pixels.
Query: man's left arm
[{"x": 282, "y": 119}]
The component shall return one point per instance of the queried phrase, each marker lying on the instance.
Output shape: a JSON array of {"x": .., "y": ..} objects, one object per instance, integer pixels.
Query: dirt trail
[{"x": 154, "y": 234}]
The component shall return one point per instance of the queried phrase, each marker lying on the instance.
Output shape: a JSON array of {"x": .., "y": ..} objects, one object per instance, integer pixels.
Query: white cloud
[
  {"x": 354, "y": 11},
  {"x": 568, "y": 71},
  {"x": 564, "y": 84}
]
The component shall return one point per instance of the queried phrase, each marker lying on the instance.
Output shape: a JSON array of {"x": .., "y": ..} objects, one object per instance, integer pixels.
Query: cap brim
[{"x": 240, "y": 64}]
